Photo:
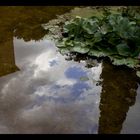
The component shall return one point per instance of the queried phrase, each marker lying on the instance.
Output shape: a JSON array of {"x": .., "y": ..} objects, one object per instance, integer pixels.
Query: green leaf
[
  {"x": 69, "y": 43},
  {"x": 113, "y": 40},
  {"x": 109, "y": 36},
  {"x": 61, "y": 45},
  {"x": 97, "y": 37},
  {"x": 130, "y": 62},
  {"x": 123, "y": 49},
  {"x": 80, "y": 49},
  {"x": 90, "y": 28},
  {"x": 107, "y": 50},
  {"x": 105, "y": 28},
  {"x": 132, "y": 23},
  {"x": 96, "y": 53},
  {"x": 64, "y": 51}
]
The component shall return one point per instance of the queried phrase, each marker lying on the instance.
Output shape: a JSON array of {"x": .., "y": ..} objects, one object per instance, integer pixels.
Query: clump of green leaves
[{"x": 114, "y": 36}]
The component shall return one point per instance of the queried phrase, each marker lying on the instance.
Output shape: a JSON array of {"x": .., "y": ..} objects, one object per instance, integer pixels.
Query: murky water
[{"x": 42, "y": 92}]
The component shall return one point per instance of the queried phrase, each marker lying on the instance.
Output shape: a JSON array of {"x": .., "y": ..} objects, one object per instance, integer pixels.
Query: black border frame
[{"x": 69, "y": 2}]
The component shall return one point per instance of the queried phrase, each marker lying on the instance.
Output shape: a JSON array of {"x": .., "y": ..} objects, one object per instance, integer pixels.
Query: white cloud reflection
[{"x": 46, "y": 96}]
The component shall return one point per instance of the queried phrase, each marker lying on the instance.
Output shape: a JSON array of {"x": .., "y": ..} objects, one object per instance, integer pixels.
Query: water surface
[{"x": 42, "y": 92}]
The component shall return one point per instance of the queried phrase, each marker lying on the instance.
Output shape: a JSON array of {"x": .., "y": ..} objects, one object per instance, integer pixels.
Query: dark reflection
[
  {"x": 118, "y": 94},
  {"x": 29, "y": 32},
  {"x": 7, "y": 57},
  {"x": 25, "y": 21}
]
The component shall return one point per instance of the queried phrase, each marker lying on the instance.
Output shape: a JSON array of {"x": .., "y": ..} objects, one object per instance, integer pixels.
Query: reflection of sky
[
  {"x": 75, "y": 72},
  {"x": 47, "y": 95},
  {"x": 131, "y": 124}
]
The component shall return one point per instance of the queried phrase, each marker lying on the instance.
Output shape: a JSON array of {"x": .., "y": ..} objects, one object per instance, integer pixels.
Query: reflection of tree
[
  {"x": 118, "y": 94},
  {"x": 22, "y": 22},
  {"x": 26, "y": 21},
  {"x": 30, "y": 32},
  {"x": 7, "y": 58}
]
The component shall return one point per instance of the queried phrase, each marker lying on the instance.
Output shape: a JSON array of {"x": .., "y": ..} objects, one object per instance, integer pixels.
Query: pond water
[{"x": 42, "y": 92}]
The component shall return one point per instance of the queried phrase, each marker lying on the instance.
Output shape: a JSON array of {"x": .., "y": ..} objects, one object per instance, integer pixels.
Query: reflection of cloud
[
  {"x": 96, "y": 72},
  {"x": 42, "y": 98}
]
